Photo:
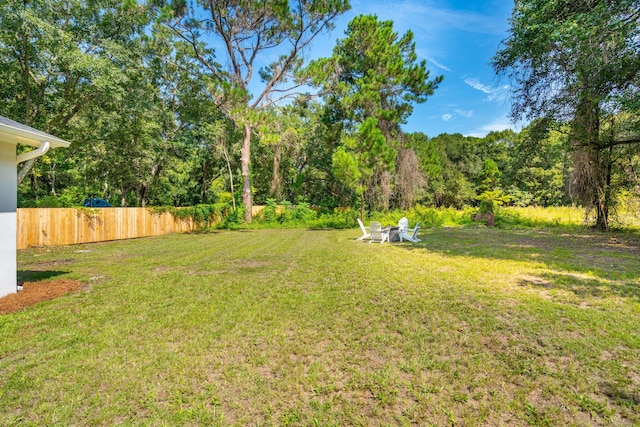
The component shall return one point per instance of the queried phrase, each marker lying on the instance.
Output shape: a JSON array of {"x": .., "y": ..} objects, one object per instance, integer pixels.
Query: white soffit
[{"x": 12, "y": 132}]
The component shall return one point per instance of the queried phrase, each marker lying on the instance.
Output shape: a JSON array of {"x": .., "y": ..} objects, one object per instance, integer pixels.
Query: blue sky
[{"x": 457, "y": 38}]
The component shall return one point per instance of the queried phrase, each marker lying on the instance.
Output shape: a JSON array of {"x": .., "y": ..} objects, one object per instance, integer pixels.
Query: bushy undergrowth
[
  {"x": 302, "y": 215},
  {"x": 428, "y": 217},
  {"x": 205, "y": 216},
  {"x": 288, "y": 215},
  {"x": 569, "y": 217}
]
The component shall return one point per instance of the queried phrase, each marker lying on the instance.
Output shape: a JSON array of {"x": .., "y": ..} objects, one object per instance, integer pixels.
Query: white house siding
[{"x": 8, "y": 203}]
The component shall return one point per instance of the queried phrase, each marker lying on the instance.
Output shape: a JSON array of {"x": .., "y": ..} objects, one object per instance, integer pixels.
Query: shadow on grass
[
  {"x": 598, "y": 264},
  {"x": 621, "y": 396},
  {"x": 36, "y": 276},
  {"x": 584, "y": 286},
  {"x": 204, "y": 231}
]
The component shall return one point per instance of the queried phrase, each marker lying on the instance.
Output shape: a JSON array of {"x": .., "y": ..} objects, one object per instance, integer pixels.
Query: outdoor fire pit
[{"x": 394, "y": 233}]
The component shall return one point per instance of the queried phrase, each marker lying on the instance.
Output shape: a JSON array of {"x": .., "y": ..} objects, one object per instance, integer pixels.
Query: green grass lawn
[{"x": 294, "y": 327}]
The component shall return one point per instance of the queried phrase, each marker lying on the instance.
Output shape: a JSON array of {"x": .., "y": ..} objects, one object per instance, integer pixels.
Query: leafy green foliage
[
  {"x": 339, "y": 218},
  {"x": 345, "y": 168},
  {"x": 489, "y": 200},
  {"x": 579, "y": 63},
  {"x": 287, "y": 214},
  {"x": 540, "y": 168},
  {"x": 269, "y": 213},
  {"x": 428, "y": 216},
  {"x": 62, "y": 58},
  {"x": 205, "y": 216}
]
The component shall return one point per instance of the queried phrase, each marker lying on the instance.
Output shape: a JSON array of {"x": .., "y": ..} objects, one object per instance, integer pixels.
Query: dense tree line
[{"x": 160, "y": 114}]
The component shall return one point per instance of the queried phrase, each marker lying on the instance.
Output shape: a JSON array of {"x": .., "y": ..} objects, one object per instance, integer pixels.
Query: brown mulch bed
[{"x": 34, "y": 292}]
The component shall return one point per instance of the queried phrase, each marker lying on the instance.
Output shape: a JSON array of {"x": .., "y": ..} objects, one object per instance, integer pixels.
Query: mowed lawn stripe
[{"x": 299, "y": 327}]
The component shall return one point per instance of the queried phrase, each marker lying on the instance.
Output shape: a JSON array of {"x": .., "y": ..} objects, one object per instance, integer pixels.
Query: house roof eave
[{"x": 12, "y": 132}]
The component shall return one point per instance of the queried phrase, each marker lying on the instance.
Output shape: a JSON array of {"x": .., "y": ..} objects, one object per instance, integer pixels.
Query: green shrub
[
  {"x": 269, "y": 213},
  {"x": 287, "y": 214},
  {"x": 204, "y": 215},
  {"x": 50, "y": 202},
  {"x": 304, "y": 213},
  {"x": 233, "y": 219},
  {"x": 338, "y": 219}
]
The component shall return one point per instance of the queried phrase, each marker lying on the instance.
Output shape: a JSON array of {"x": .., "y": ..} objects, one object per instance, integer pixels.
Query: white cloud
[
  {"x": 437, "y": 64},
  {"x": 458, "y": 112},
  {"x": 475, "y": 83},
  {"x": 496, "y": 93},
  {"x": 497, "y": 126},
  {"x": 426, "y": 16},
  {"x": 464, "y": 113}
]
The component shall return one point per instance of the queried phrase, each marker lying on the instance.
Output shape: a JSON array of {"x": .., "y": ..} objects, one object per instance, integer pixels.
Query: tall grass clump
[
  {"x": 505, "y": 217},
  {"x": 573, "y": 217},
  {"x": 535, "y": 216}
]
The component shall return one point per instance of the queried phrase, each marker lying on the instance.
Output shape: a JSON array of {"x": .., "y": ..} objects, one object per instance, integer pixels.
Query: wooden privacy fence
[{"x": 67, "y": 226}]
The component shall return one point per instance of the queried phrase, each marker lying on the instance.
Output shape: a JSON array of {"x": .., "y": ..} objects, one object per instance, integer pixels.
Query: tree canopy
[
  {"x": 579, "y": 62},
  {"x": 372, "y": 81},
  {"x": 60, "y": 58},
  {"x": 247, "y": 31}
]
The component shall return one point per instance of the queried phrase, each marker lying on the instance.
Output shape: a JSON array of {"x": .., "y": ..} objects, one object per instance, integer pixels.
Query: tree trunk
[
  {"x": 592, "y": 169},
  {"x": 225, "y": 154},
  {"x": 142, "y": 194},
  {"x": 276, "y": 180},
  {"x": 602, "y": 221},
  {"x": 52, "y": 178},
  {"x": 25, "y": 169},
  {"x": 245, "y": 160}
]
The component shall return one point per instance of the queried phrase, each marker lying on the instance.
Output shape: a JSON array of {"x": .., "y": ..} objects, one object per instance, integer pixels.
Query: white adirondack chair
[
  {"x": 414, "y": 232},
  {"x": 365, "y": 233},
  {"x": 410, "y": 234},
  {"x": 403, "y": 225},
  {"x": 377, "y": 233}
]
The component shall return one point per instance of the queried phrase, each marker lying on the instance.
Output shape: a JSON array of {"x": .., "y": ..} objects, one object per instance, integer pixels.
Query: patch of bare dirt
[
  {"x": 535, "y": 281},
  {"x": 34, "y": 292},
  {"x": 44, "y": 265},
  {"x": 251, "y": 263}
]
